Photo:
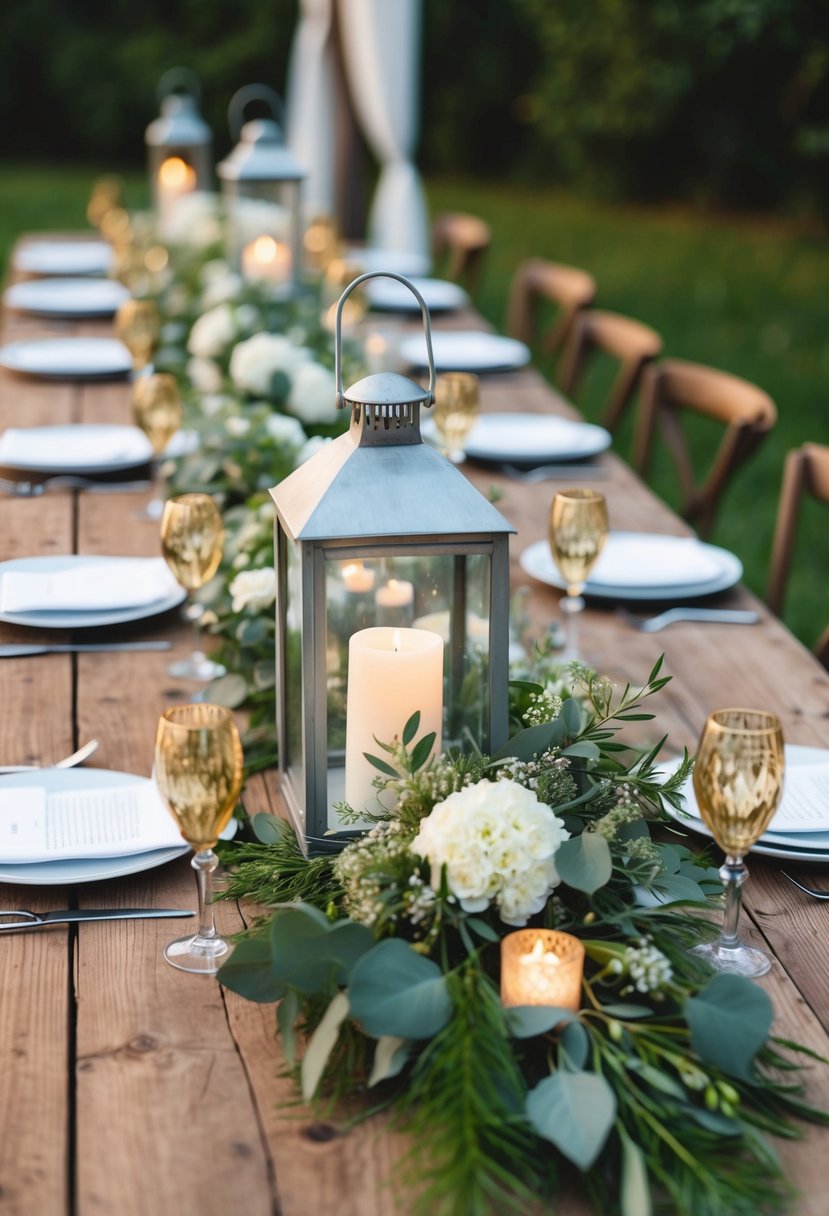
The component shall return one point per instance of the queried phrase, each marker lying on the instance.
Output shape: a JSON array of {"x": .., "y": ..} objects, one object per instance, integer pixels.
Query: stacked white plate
[
  {"x": 57, "y": 257},
  {"x": 82, "y": 448},
  {"x": 68, "y": 358},
  {"x": 439, "y": 295},
  {"x": 370, "y": 258},
  {"x": 466, "y": 351},
  {"x": 799, "y": 830},
  {"x": 645, "y": 566},
  {"x": 532, "y": 439},
  {"x": 66, "y": 297}
]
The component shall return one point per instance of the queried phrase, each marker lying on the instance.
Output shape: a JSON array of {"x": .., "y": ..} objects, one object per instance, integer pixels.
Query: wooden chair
[
  {"x": 630, "y": 342},
  {"x": 537, "y": 280},
  {"x": 746, "y": 412},
  {"x": 459, "y": 243},
  {"x": 806, "y": 471}
]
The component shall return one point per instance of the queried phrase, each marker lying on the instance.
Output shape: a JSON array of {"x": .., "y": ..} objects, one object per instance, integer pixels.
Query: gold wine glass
[
  {"x": 457, "y": 405},
  {"x": 192, "y": 541},
  {"x": 198, "y": 771},
  {"x": 738, "y": 780},
  {"x": 578, "y": 531},
  {"x": 156, "y": 409},
  {"x": 137, "y": 324}
]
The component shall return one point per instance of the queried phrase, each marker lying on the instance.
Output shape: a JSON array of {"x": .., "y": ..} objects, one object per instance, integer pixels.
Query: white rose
[
  {"x": 313, "y": 396},
  {"x": 212, "y": 333},
  {"x": 194, "y": 220},
  {"x": 285, "y": 430},
  {"x": 204, "y": 375},
  {"x": 218, "y": 291},
  {"x": 254, "y": 589},
  {"x": 314, "y": 445},
  {"x": 254, "y": 362}
]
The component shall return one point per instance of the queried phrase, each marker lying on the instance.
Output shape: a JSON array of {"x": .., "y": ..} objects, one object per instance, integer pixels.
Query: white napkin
[
  {"x": 118, "y": 582},
  {"x": 73, "y": 447},
  {"x": 639, "y": 560}
]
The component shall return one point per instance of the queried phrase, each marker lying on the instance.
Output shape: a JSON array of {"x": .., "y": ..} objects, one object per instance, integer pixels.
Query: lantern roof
[
  {"x": 386, "y": 388},
  {"x": 261, "y": 156},
  {"x": 179, "y": 124},
  {"x": 352, "y": 490}
]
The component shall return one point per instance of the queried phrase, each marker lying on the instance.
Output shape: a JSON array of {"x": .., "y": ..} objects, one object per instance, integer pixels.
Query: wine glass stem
[
  {"x": 733, "y": 873},
  {"x": 571, "y": 606},
  {"x": 204, "y": 863}
]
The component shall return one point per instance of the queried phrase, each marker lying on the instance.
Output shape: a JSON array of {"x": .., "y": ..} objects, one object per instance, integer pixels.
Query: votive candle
[
  {"x": 267, "y": 260},
  {"x": 394, "y": 602},
  {"x": 541, "y": 967}
]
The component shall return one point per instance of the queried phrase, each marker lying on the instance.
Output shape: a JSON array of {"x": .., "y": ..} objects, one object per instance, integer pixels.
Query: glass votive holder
[{"x": 541, "y": 967}]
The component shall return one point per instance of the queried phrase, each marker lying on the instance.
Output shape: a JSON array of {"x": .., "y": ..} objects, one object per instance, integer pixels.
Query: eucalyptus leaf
[
  {"x": 575, "y": 1112},
  {"x": 729, "y": 1021},
  {"x": 531, "y": 742},
  {"x": 321, "y": 1044},
  {"x": 658, "y": 1080},
  {"x": 252, "y": 630},
  {"x": 634, "y": 1192},
  {"x": 575, "y": 1044},
  {"x": 714, "y": 1122},
  {"x": 411, "y": 728},
  {"x": 482, "y": 929},
  {"x": 280, "y": 386},
  {"x": 248, "y": 971},
  {"x": 422, "y": 751},
  {"x": 675, "y": 888},
  {"x": 527, "y": 1021},
  {"x": 396, "y": 991},
  {"x": 268, "y": 828},
  {"x": 390, "y": 1056},
  {"x": 572, "y": 716},
  {"x": 230, "y": 690},
  {"x": 286, "y": 1016},
  {"x": 311, "y": 954},
  {"x": 584, "y": 862},
  {"x": 582, "y": 749},
  {"x": 623, "y": 1011}
]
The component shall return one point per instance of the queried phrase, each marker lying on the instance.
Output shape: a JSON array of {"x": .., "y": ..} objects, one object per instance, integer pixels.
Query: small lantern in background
[
  {"x": 541, "y": 967},
  {"x": 377, "y": 510},
  {"x": 261, "y": 185},
  {"x": 178, "y": 144}
]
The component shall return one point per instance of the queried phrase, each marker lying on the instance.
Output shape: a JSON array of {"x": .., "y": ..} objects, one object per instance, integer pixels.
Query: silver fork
[
  {"x": 33, "y": 489},
  {"x": 546, "y": 472},
  {"x": 718, "y": 616},
  {"x": 815, "y": 894}
]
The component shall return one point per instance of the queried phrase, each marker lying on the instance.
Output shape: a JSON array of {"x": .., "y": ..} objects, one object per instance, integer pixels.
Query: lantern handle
[
  {"x": 338, "y": 344},
  {"x": 174, "y": 78},
  {"x": 242, "y": 98}
]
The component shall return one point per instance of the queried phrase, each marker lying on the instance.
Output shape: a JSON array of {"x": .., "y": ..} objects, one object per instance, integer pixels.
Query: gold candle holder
[{"x": 541, "y": 967}]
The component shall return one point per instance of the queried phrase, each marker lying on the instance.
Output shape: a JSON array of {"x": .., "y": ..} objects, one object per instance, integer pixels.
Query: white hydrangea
[
  {"x": 254, "y": 589},
  {"x": 285, "y": 430},
  {"x": 204, "y": 375},
  {"x": 194, "y": 220},
  {"x": 221, "y": 290},
  {"x": 498, "y": 842},
  {"x": 254, "y": 362},
  {"x": 212, "y": 333},
  {"x": 237, "y": 426},
  {"x": 313, "y": 396}
]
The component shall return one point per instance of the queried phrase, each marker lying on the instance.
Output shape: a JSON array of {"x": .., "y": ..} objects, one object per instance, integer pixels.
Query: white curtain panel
[
  {"x": 310, "y": 104},
  {"x": 381, "y": 48}
]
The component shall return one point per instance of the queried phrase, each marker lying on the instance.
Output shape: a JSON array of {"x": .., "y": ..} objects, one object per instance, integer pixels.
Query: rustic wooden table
[{"x": 127, "y": 1087}]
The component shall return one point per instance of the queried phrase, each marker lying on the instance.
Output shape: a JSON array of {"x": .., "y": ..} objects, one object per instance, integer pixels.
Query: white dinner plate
[
  {"x": 55, "y": 257},
  {"x": 466, "y": 351},
  {"x": 439, "y": 295},
  {"x": 81, "y": 448},
  {"x": 790, "y": 846},
  {"x": 66, "y": 297},
  {"x": 534, "y": 439},
  {"x": 368, "y": 258},
  {"x": 86, "y": 619},
  {"x": 654, "y": 582},
  {"x": 67, "y": 358},
  {"x": 94, "y": 869}
]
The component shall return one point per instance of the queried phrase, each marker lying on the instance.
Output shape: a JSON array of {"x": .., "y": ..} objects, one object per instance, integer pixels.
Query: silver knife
[
  {"x": 19, "y": 650},
  {"x": 17, "y": 920}
]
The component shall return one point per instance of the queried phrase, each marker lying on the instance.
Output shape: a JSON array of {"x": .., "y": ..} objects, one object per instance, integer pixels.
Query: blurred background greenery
[{"x": 678, "y": 151}]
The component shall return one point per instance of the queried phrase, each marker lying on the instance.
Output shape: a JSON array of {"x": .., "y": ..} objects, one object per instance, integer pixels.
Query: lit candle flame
[
  {"x": 537, "y": 955},
  {"x": 176, "y": 175},
  {"x": 395, "y": 643},
  {"x": 265, "y": 249}
]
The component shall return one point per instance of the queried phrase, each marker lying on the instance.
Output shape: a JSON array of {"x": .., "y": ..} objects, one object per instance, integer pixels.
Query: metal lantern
[
  {"x": 392, "y": 597},
  {"x": 261, "y": 185},
  {"x": 178, "y": 143}
]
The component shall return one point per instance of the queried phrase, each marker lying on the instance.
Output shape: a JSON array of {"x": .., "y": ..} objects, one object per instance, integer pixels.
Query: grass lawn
[{"x": 743, "y": 294}]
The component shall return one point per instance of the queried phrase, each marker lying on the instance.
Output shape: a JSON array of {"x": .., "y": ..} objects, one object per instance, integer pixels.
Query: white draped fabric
[
  {"x": 381, "y": 48},
  {"x": 311, "y": 115}
]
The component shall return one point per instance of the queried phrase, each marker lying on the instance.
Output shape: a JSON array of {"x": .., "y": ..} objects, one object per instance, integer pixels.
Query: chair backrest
[
  {"x": 537, "y": 280},
  {"x": 806, "y": 471},
  {"x": 459, "y": 242},
  {"x": 631, "y": 343},
  {"x": 746, "y": 412}
]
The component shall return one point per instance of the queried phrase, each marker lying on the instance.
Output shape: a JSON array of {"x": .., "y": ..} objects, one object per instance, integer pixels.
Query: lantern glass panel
[
  {"x": 293, "y": 622},
  {"x": 264, "y": 236}
]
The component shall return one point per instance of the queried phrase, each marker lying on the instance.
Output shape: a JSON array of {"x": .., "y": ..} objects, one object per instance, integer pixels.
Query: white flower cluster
[
  {"x": 498, "y": 843},
  {"x": 312, "y": 392},
  {"x": 544, "y": 707},
  {"x": 648, "y": 968},
  {"x": 254, "y": 589}
]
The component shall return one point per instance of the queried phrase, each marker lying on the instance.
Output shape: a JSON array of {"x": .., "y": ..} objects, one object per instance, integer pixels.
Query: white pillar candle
[
  {"x": 395, "y": 602},
  {"x": 392, "y": 673},
  {"x": 175, "y": 179},
  {"x": 267, "y": 260}
]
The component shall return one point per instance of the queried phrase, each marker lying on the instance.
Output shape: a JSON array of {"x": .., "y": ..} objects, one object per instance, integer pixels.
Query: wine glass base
[
  {"x": 196, "y": 667},
  {"x": 734, "y": 960},
  {"x": 201, "y": 955}
]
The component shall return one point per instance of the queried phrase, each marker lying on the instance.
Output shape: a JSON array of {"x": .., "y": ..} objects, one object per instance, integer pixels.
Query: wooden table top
[{"x": 128, "y": 1087}]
